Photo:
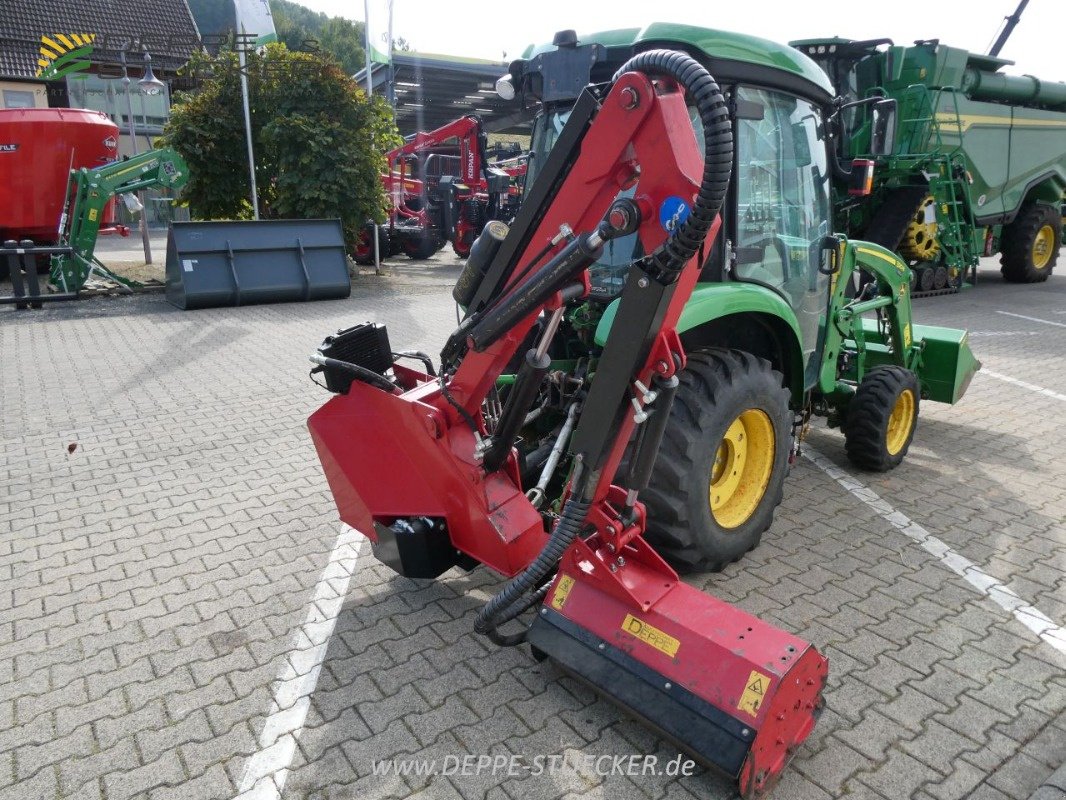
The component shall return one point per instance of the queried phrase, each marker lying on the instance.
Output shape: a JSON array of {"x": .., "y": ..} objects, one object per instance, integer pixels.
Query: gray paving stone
[{"x": 153, "y": 608}]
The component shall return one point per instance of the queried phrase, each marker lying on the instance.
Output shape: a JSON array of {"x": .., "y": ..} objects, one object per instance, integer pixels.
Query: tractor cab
[{"x": 778, "y": 212}]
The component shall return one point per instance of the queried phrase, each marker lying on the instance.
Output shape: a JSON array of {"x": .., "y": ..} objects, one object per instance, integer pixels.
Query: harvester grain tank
[
  {"x": 639, "y": 352},
  {"x": 978, "y": 166}
]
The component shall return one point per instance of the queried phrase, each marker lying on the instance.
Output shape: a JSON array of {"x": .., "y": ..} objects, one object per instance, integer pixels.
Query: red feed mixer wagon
[{"x": 38, "y": 148}]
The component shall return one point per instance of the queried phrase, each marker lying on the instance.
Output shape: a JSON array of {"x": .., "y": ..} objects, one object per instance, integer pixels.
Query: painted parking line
[
  {"x": 1032, "y": 387},
  {"x": 1032, "y": 319},
  {"x": 266, "y": 771},
  {"x": 1031, "y": 617}
]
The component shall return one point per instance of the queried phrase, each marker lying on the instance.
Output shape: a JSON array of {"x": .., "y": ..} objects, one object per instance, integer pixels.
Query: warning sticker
[
  {"x": 754, "y": 692},
  {"x": 562, "y": 591},
  {"x": 649, "y": 634}
]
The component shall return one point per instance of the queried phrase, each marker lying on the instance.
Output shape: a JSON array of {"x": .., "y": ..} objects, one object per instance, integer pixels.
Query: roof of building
[
  {"x": 164, "y": 27},
  {"x": 432, "y": 90}
]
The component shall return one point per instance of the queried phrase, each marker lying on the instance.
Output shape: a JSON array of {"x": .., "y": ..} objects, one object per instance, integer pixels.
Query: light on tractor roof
[{"x": 505, "y": 87}]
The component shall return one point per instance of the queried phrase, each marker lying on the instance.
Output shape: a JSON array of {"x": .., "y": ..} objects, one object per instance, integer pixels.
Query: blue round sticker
[{"x": 673, "y": 212}]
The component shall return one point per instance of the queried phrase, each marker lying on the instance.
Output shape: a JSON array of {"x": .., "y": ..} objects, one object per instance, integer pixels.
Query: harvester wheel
[
  {"x": 881, "y": 418},
  {"x": 722, "y": 463},
  {"x": 919, "y": 241},
  {"x": 1030, "y": 245}
]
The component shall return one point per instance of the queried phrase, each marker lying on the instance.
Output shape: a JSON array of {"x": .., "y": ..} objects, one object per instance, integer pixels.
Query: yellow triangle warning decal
[{"x": 754, "y": 692}]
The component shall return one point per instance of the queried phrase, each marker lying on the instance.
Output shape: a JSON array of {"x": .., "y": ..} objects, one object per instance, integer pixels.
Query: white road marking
[
  {"x": 266, "y": 771},
  {"x": 1032, "y": 319},
  {"x": 1032, "y": 387},
  {"x": 1032, "y": 618},
  {"x": 982, "y": 334}
]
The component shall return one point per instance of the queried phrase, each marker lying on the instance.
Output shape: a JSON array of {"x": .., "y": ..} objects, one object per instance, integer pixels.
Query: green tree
[{"x": 319, "y": 144}]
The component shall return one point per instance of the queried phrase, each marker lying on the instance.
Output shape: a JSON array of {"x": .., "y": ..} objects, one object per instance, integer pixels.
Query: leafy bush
[{"x": 319, "y": 144}]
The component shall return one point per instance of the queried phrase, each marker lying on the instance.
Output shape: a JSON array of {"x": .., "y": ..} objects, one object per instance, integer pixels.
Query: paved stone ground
[{"x": 151, "y": 581}]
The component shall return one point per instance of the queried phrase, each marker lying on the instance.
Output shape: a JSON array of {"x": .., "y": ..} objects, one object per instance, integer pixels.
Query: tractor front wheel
[
  {"x": 881, "y": 418},
  {"x": 1030, "y": 245},
  {"x": 722, "y": 464}
]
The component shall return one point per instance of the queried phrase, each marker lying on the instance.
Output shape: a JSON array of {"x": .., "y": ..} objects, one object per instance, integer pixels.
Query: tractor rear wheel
[
  {"x": 1030, "y": 245},
  {"x": 881, "y": 418},
  {"x": 722, "y": 464}
]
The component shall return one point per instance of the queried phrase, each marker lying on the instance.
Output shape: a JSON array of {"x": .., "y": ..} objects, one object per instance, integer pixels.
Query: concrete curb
[{"x": 1054, "y": 787}]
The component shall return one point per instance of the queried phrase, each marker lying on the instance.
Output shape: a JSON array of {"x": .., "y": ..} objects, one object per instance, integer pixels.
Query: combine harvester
[
  {"x": 978, "y": 166},
  {"x": 639, "y": 352}
]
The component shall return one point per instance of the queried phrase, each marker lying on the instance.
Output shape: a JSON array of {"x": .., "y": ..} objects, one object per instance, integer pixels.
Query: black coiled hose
[
  {"x": 670, "y": 258},
  {"x": 510, "y": 602},
  {"x": 666, "y": 262}
]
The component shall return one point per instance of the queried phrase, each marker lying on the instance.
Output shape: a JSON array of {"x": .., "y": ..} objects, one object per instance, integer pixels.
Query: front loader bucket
[
  {"x": 735, "y": 692},
  {"x": 947, "y": 365},
  {"x": 212, "y": 264}
]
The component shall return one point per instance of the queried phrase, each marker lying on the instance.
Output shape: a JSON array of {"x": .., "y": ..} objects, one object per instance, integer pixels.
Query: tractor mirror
[{"x": 883, "y": 127}]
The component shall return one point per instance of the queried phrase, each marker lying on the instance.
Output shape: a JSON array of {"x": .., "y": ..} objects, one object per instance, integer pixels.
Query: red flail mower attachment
[{"x": 416, "y": 463}]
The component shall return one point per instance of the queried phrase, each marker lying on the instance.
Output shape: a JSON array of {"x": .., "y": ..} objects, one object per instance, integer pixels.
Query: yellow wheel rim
[
  {"x": 1042, "y": 246},
  {"x": 742, "y": 467},
  {"x": 900, "y": 422}
]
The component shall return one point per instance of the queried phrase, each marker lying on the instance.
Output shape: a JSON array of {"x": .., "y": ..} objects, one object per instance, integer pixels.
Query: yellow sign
[
  {"x": 907, "y": 335},
  {"x": 754, "y": 692},
  {"x": 562, "y": 591},
  {"x": 649, "y": 634},
  {"x": 62, "y": 54}
]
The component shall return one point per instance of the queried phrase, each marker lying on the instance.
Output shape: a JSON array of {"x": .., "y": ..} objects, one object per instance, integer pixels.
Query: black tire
[
  {"x": 363, "y": 252},
  {"x": 925, "y": 279},
  {"x": 717, "y": 387},
  {"x": 421, "y": 248},
  {"x": 867, "y": 437},
  {"x": 1026, "y": 255}
]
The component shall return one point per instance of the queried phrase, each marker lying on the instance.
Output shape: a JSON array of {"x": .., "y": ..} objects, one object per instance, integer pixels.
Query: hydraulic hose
[
  {"x": 670, "y": 258},
  {"x": 510, "y": 602},
  {"x": 665, "y": 264}
]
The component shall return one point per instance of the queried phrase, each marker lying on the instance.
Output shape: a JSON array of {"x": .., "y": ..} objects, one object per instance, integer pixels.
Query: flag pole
[
  {"x": 248, "y": 123},
  {"x": 369, "y": 95}
]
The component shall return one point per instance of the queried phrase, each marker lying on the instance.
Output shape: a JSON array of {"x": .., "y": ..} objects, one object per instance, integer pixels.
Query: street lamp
[{"x": 150, "y": 85}]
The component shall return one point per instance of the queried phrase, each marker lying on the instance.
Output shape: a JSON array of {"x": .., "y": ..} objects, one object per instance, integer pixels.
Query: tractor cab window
[
  {"x": 783, "y": 202},
  {"x": 607, "y": 276}
]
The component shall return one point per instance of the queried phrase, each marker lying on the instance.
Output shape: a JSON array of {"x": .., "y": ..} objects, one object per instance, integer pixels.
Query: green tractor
[
  {"x": 976, "y": 163},
  {"x": 778, "y": 328}
]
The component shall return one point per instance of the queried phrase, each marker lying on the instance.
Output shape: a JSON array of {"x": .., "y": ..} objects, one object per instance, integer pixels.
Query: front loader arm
[
  {"x": 90, "y": 190},
  {"x": 886, "y": 294}
]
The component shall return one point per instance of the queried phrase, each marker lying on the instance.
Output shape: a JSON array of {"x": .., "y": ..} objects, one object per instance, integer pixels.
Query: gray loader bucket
[{"x": 240, "y": 263}]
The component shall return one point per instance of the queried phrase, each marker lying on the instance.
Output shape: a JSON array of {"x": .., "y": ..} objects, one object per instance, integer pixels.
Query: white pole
[
  {"x": 369, "y": 94},
  {"x": 248, "y": 126}
]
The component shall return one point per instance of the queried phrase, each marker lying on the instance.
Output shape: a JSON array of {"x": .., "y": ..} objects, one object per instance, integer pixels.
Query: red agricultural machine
[
  {"x": 38, "y": 149},
  {"x": 441, "y": 188},
  {"x": 425, "y": 463}
]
